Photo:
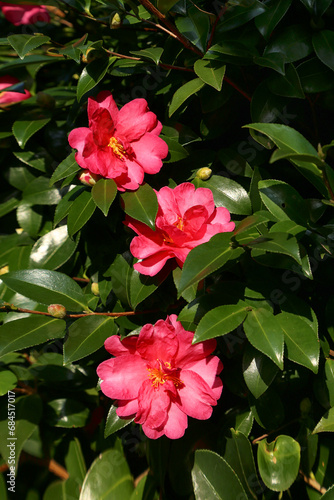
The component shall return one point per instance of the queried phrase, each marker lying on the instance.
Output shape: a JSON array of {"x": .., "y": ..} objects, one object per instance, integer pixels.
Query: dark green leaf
[
  {"x": 68, "y": 413},
  {"x": 275, "y": 11},
  {"x": 9, "y": 205},
  {"x": 277, "y": 243},
  {"x": 67, "y": 167},
  {"x": 237, "y": 15},
  {"x": 283, "y": 201},
  {"x": 29, "y": 219},
  {"x": 294, "y": 42},
  {"x": 176, "y": 151},
  {"x": 23, "y": 44},
  {"x": 258, "y": 370},
  {"x": 275, "y": 61},
  {"x": 326, "y": 423},
  {"x": 323, "y": 43},
  {"x": 103, "y": 194},
  {"x": 38, "y": 192},
  {"x": 53, "y": 249},
  {"x": 210, "y": 72},
  {"x": 75, "y": 462},
  {"x": 142, "y": 205},
  {"x": 8, "y": 381},
  {"x": 153, "y": 54},
  {"x": 62, "y": 490},
  {"x": 80, "y": 212},
  {"x": 66, "y": 202},
  {"x": 315, "y": 76},
  {"x": 195, "y": 27},
  {"x": 220, "y": 320},
  {"x": 183, "y": 93},
  {"x": 288, "y": 85},
  {"x": 114, "y": 423},
  {"x": 121, "y": 272},
  {"x": 92, "y": 74},
  {"x": 24, "y": 129},
  {"x": 141, "y": 287},
  {"x": 47, "y": 287}
]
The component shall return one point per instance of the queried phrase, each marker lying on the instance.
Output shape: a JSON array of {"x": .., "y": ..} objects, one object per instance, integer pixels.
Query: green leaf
[
  {"x": 176, "y": 151},
  {"x": 35, "y": 160},
  {"x": 47, "y": 287},
  {"x": 294, "y": 42},
  {"x": 153, "y": 53},
  {"x": 281, "y": 154},
  {"x": 38, "y": 192},
  {"x": 227, "y": 193},
  {"x": 92, "y": 74},
  {"x": 287, "y": 85},
  {"x": 87, "y": 335},
  {"x": 195, "y": 27},
  {"x": 237, "y": 15},
  {"x": 29, "y": 219},
  {"x": 141, "y": 287},
  {"x": 258, "y": 371},
  {"x": 114, "y": 423},
  {"x": 323, "y": 43},
  {"x": 75, "y": 462},
  {"x": 26, "y": 332},
  {"x": 275, "y": 61},
  {"x": 53, "y": 249},
  {"x": 80, "y": 212},
  {"x": 142, "y": 205},
  {"x": 265, "y": 334},
  {"x": 103, "y": 194},
  {"x": 115, "y": 484},
  {"x": 214, "y": 478},
  {"x": 66, "y": 202},
  {"x": 277, "y": 242},
  {"x": 8, "y": 381},
  {"x": 182, "y": 94},
  {"x": 275, "y": 11},
  {"x": 239, "y": 455},
  {"x": 23, "y": 44},
  {"x": 205, "y": 259},
  {"x": 329, "y": 495},
  {"x": 8, "y": 206},
  {"x": 67, "y": 413},
  {"x": 301, "y": 341},
  {"x": 121, "y": 272},
  {"x": 326, "y": 423},
  {"x": 283, "y": 201},
  {"x": 62, "y": 490},
  {"x": 210, "y": 72},
  {"x": 220, "y": 320},
  {"x": 24, "y": 129},
  {"x": 315, "y": 76},
  {"x": 67, "y": 167},
  {"x": 278, "y": 462}
]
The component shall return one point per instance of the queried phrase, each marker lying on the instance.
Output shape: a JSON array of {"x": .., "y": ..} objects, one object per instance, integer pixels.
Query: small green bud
[
  {"x": 116, "y": 21},
  {"x": 305, "y": 406},
  {"x": 204, "y": 173},
  {"x": 57, "y": 311},
  {"x": 95, "y": 288}
]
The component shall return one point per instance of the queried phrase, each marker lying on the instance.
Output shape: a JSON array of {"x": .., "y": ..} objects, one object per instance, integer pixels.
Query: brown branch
[
  {"x": 313, "y": 483},
  {"x": 238, "y": 89},
  {"x": 53, "y": 466},
  {"x": 220, "y": 15},
  {"x": 260, "y": 438}
]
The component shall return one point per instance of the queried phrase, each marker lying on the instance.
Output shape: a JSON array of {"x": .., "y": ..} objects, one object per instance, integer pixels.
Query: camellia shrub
[{"x": 166, "y": 250}]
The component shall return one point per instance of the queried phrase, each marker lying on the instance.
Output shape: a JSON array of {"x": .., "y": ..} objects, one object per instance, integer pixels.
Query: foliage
[{"x": 245, "y": 89}]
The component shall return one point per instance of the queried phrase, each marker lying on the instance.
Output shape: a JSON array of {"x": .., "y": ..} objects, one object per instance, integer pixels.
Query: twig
[
  {"x": 220, "y": 15},
  {"x": 313, "y": 483},
  {"x": 260, "y": 438},
  {"x": 50, "y": 464},
  {"x": 238, "y": 89}
]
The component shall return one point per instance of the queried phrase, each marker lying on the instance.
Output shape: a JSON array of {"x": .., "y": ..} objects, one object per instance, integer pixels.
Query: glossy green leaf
[
  {"x": 214, "y": 478},
  {"x": 301, "y": 341},
  {"x": 283, "y": 201},
  {"x": 142, "y": 205},
  {"x": 92, "y": 74},
  {"x": 237, "y": 15},
  {"x": 8, "y": 206},
  {"x": 121, "y": 272},
  {"x": 29, "y": 218},
  {"x": 20, "y": 176},
  {"x": 67, "y": 413},
  {"x": 153, "y": 53},
  {"x": 176, "y": 151},
  {"x": 329, "y": 495},
  {"x": 80, "y": 212},
  {"x": 294, "y": 42},
  {"x": 114, "y": 422},
  {"x": 326, "y": 423},
  {"x": 66, "y": 202},
  {"x": 278, "y": 462},
  {"x": 205, "y": 259},
  {"x": 75, "y": 461},
  {"x": 8, "y": 381},
  {"x": 250, "y": 222},
  {"x": 287, "y": 85},
  {"x": 265, "y": 334},
  {"x": 258, "y": 371},
  {"x": 103, "y": 194},
  {"x": 281, "y": 154},
  {"x": 24, "y": 129},
  {"x": 275, "y": 61},
  {"x": 283, "y": 243},
  {"x": 47, "y": 287},
  {"x": 220, "y": 320},
  {"x": 62, "y": 490},
  {"x": 323, "y": 43},
  {"x": 182, "y": 94},
  {"x": 23, "y": 44},
  {"x": 195, "y": 27},
  {"x": 38, "y": 192},
  {"x": 53, "y": 249},
  {"x": 210, "y": 72},
  {"x": 26, "y": 332},
  {"x": 108, "y": 478},
  {"x": 34, "y": 160},
  {"x": 165, "y": 5},
  {"x": 141, "y": 287},
  {"x": 315, "y": 76},
  {"x": 146, "y": 489},
  {"x": 275, "y": 11},
  {"x": 227, "y": 193},
  {"x": 239, "y": 455},
  {"x": 87, "y": 335},
  {"x": 67, "y": 167}
]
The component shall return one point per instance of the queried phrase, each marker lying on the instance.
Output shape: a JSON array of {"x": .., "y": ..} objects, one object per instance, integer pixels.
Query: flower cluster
[
  {"x": 186, "y": 218},
  {"x": 9, "y": 97},
  {"x": 122, "y": 144},
  {"x": 24, "y": 14},
  {"x": 160, "y": 378}
]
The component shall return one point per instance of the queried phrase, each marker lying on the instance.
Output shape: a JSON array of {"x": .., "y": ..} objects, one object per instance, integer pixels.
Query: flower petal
[
  {"x": 196, "y": 397},
  {"x": 152, "y": 265},
  {"x": 153, "y": 405},
  {"x": 135, "y": 119},
  {"x": 157, "y": 341},
  {"x": 149, "y": 151},
  {"x": 127, "y": 409},
  {"x": 103, "y": 100},
  {"x": 118, "y": 347},
  {"x": 122, "y": 376},
  {"x": 177, "y": 423}
]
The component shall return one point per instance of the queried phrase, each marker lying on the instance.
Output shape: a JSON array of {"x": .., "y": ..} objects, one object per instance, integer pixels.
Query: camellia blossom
[
  {"x": 119, "y": 144},
  {"x": 24, "y": 14},
  {"x": 186, "y": 218},
  {"x": 160, "y": 378},
  {"x": 11, "y": 97}
]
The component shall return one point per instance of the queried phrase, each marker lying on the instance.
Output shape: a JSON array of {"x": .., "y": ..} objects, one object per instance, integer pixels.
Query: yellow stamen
[
  {"x": 117, "y": 148},
  {"x": 158, "y": 376},
  {"x": 179, "y": 224}
]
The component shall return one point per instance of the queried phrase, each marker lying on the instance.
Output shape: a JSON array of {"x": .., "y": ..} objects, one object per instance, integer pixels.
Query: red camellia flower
[
  {"x": 24, "y": 14},
  {"x": 186, "y": 218},
  {"x": 11, "y": 97},
  {"x": 160, "y": 378},
  {"x": 119, "y": 144}
]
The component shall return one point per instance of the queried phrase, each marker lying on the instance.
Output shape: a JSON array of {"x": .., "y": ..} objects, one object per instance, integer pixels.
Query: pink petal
[
  {"x": 188, "y": 353},
  {"x": 152, "y": 433},
  {"x": 152, "y": 265},
  {"x": 176, "y": 424},
  {"x": 24, "y": 14},
  {"x": 153, "y": 405},
  {"x": 122, "y": 376},
  {"x": 149, "y": 151},
  {"x": 142, "y": 246},
  {"x": 168, "y": 207},
  {"x": 127, "y": 409},
  {"x": 222, "y": 217},
  {"x": 157, "y": 341},
  {"x": 102, "y": 127},
  {"x": 104, "y": 100},
  {"x": 196, "y": 396},
  {"x": 135, "y": 119},
  {"x": 118, "y": 347},
  {"x": 187, "y": 196},
  {"x": 208, "y": 368}
]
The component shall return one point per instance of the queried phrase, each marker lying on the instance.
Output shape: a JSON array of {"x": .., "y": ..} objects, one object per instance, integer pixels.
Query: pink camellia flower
[
  {"x": 119, "y": 144},
  {"x": 11, "y": 97},
  {"x": 160, "y": 378},
  {"x": 186, "y": 218},
  {"x": 24, "y": 14}
]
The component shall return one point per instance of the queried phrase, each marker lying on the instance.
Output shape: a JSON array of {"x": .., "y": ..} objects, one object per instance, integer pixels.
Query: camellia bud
[
  {"x": 87, "y": 178},
  {"x": 204, "y": 173},
  {"x": 116, "y": 21},
  {"x": 57, "y": 311},
  {"x": 95, "y": 288}
]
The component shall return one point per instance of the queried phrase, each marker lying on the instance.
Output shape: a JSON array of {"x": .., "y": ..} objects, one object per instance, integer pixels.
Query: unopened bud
[
  {"x": 88, "y": 178},
  {"x": 57, "y": 311},
  {"x": 116, "y": 21},
  {"x": 95, "y": 288},
  {"x": 305, "y": 406},
  {"x": 204, "y": 173}
]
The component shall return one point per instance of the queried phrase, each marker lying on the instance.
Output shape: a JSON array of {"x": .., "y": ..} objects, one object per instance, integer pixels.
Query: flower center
[
  {"x": 117, "y": 148},
  {"x": 179, "y": 224},
  {"x": 163, "y": 373}
]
